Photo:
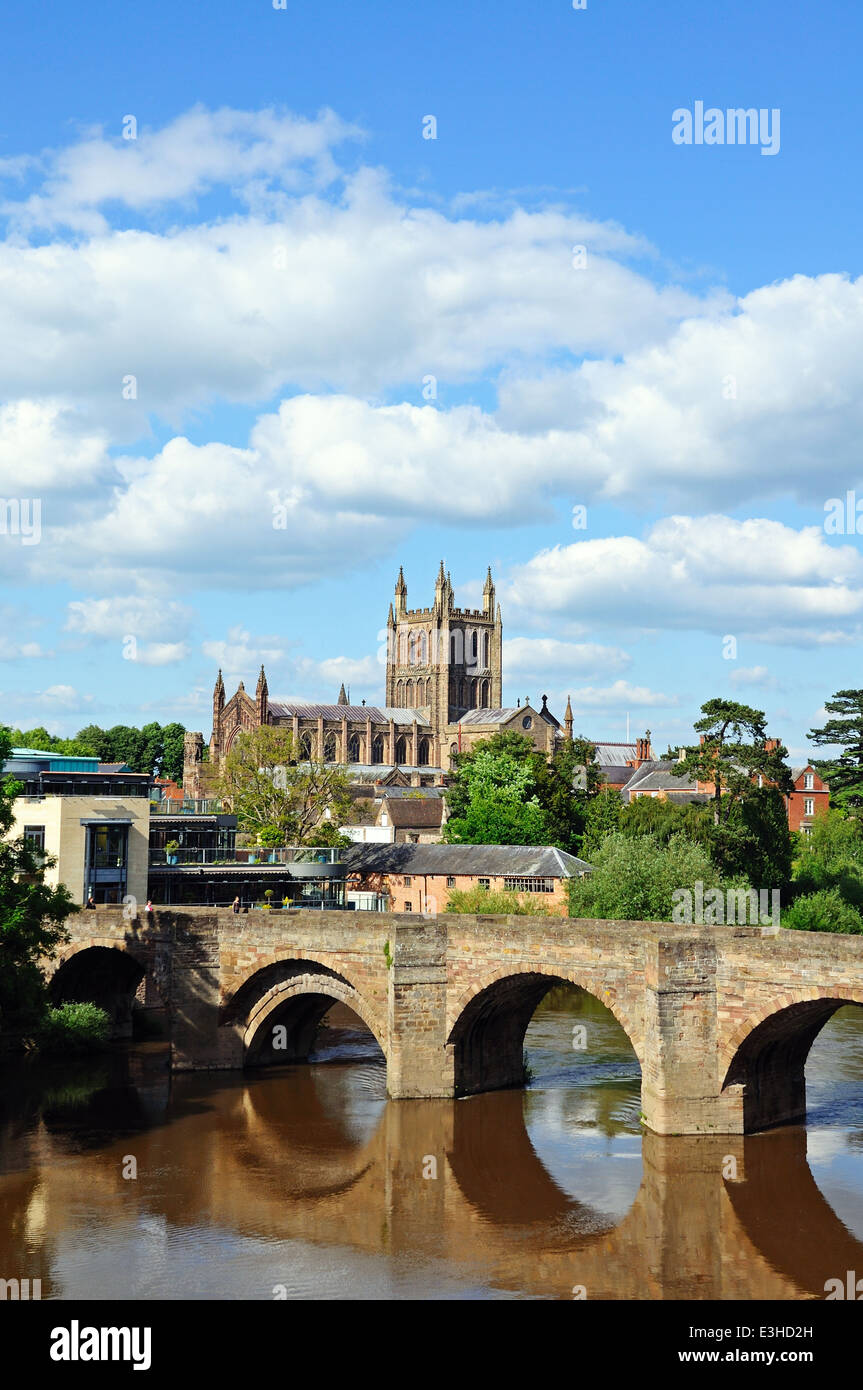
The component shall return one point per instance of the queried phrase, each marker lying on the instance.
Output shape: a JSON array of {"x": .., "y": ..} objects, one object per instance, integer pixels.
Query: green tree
[
  {"x": 493, "y": 797},
  {"x": 825, "y": 910},
  {"x": 843, "y": 730},
  {"x": 634, "y": 878},
  {"x": 505, "y": 791},
  {"x": 153, "y": 749},
  {"x": 127, "y": 745},
  {"x": 171, "y": 766},
  {"x": 32, "y": 915},
  {"x": 96, "y": 741},
  {"x": 603, "y": 817},
  {"x": 732, "y": 754},
  {"x": 831, "y": 856},
  {"x": 271, "y": 782}
]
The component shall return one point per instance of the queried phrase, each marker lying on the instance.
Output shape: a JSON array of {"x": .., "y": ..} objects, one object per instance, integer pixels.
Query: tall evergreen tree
[{"x": 845, "y": 731}]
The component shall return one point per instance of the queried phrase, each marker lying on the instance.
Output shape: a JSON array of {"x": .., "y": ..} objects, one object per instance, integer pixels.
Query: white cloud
[
  {"x": 621, "y": 695},
  {"x": 759, "y": 399},
  {"x": 756, "y": 578},
  {"x": 142, "y": 168},
  {"x": 353, "y": 292},
  {"x": 44, "y": 446},
  {"x": 15, "y": 651},
  {"x": 130, "y": 615},
  {"x": 549, "y": 656},
  {"x": 160, "y": 653},
  {"x": 242, "y": 655},
  {"x": 753, "y": 675}
]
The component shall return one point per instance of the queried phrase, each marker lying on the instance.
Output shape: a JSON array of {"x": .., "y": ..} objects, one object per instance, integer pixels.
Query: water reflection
[{"x": 306, "y": 1177}]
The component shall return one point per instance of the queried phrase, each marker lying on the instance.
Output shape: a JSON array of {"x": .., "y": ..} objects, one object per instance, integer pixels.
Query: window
[
  {"x": 484, "y": 883},
  {"x": 806, "y": 829},
  {"x": 528, "y": 885},
  {"x": 527, "y": 722},
  {"x": 809, "y": 781},
  {"x": 409, "y": 907},
  {"x": 809, "y": 806},
  {"x": 35, "y": 836},
  {"x": 450, "y": 881},
  {"x": 407, "y": 880}
]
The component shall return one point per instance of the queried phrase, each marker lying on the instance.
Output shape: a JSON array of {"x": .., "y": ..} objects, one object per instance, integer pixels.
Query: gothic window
[
  {"x": 485, "y": 651},
  {"x": 401, "y": 751},
  {"x": 473, "y": 693},
  {"x": 423, "y": 753},
  {"x": 412, "y": 649},
  {"x": 329, "y": 748},
  {"x": 484, "y": 695},
  {"x": 354, "y": 748},
  {"x": 452, "y": 658},
  {"x": 409, "y": 690},
  {"x": 306, "y": 745},
  {"x": 377, "y": 749},
  {"x": 403, "y": 647},
  {"x": 473, "y": 647},
  {"x": 453, "y": 753},
  {"x": 421, "y": 649}
]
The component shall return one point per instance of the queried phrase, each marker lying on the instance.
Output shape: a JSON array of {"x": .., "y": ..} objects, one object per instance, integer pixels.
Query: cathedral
[{"x": 444, "y": 680}]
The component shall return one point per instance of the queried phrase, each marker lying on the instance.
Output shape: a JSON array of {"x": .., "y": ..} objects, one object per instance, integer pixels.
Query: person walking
[
  {"x": 235, "y": 905},
  {"x": 91, "y": 902}
]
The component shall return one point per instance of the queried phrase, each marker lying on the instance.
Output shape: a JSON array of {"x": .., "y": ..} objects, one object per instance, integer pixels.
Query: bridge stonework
[{"x": 721, "y": 1019}]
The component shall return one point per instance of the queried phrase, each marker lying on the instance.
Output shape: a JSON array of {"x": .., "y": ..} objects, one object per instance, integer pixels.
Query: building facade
[
  {"x": 91, "y": 818},
  {"x": 442, "y": 693}
]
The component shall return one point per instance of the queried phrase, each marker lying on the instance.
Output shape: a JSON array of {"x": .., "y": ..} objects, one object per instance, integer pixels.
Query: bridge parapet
[{"x": 720, "y": 1018}]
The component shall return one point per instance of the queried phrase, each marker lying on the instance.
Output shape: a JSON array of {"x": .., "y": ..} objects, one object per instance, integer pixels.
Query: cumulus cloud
[
  {"x": 756, "y": 578},
  {"x": 549, "y": 655},
  {"x": 759, "y": 399},
  {"x": 140, "y": 168},
  {"x": 44, "y": 446},
  {"x": 240, "y": 654},
  {"x": 357, "y": 290},
  {"x": 758, "y": 676},
  {"x": 620, "y": 695},
  {"x": 130, "y": 615}
]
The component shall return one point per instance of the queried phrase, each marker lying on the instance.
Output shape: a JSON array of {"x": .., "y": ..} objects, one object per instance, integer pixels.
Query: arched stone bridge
[{"x": 721, "y": 1019}]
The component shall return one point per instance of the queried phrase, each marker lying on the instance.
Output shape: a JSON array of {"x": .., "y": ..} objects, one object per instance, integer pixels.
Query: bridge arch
[
  {"x": 106, "y": 975},
  {"x": 766, "y": 1054},
  {"x": 293, "y": 995},
  {"x": 487, "y": 1026}
]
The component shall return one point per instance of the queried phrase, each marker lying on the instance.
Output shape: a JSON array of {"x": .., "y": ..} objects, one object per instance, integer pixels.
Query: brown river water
[{"x": 120, "y": 1181}]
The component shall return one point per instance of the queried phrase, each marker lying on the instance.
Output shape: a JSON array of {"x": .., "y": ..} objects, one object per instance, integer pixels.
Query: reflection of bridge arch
[
  {"x": 293, "y": 994},
  {"x": 108, "y": 976},
  {"x": 489, "y": 1022},
  {"x": 784, "y": 1213},
  {"x": 766, "y": 1054}
]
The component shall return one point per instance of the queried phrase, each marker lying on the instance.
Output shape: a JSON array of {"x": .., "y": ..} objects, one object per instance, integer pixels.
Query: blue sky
[{"x": 280, "y": 261}]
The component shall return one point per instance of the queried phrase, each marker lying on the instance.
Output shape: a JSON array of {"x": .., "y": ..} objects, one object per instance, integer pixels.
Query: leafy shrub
[
  {"x": 74, "y": 1028},
  {"x": 498, "y": 902},
  {"x": 634, "y": 877},
  {"x": 825, "y": 910}
]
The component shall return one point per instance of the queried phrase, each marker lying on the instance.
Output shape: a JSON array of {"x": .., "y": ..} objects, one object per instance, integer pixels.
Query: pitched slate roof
[
  {"x": 424, "y": 813},
  {"x": 354, "y": 714},
  {"x": 493, "y": 861}
]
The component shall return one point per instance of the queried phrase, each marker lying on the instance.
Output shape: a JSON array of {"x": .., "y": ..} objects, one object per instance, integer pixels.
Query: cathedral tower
[{"x": 444, "y": 660}]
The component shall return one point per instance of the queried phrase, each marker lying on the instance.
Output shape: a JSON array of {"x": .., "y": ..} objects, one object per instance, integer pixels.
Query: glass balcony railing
[
  {"x": 191, "y": 806},
  {"x": 301, "y": 856}
]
